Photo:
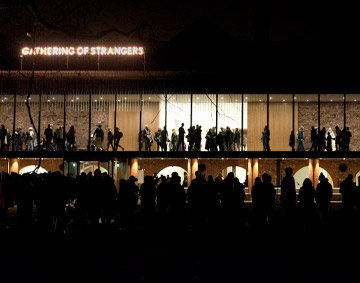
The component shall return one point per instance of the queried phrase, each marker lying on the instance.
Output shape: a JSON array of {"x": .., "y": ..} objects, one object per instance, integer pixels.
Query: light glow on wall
[{"x": 83, "y": 50}]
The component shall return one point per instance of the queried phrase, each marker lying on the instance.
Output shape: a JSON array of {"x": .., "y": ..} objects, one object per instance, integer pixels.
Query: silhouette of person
[
  {"x": 164, "y": 139},
  {"x": 329, "y": 139},
  {"x": 148, "y": 139},
  {"x": 347, "y": 190},
  {"x": 196, "y": 199},
  {"x": 177, "y": 200},
  {"x": 226, "y": 196},
  {"x": 300, "y": 140},
  {"x": 258, "y": 203},
  {"x": 148, "y": 195},
  {"x": 238, "y": 201},
  {"x": 288, "y": 193},
  {"x": 323, "y": 195},
  {"x": 48, "y": 136},
  {"x": 314, "y": 139},
  {"x": 306, "y": 198},
  {"x": 180, "y": 141},
  {"x": 292, "y": 141}
]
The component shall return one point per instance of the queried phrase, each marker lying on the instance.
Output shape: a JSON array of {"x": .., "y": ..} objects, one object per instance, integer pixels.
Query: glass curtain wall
[
  {"x": 27, "y": 137},
  {"x": 77, "y": 117},
  {"x": 52, "y": 113},
  {"x": 256, "y": 121},
  {"x": 178, "y": 112},
  {"x": 352, "y": 120},
  {"x": 306, "y": 114},
  {"x": 281, "y": 122},
  {"x": 151, "y": 113},
  {"x": 230, "y": 117},
  {"x": 331, "y": 119},
  {"x": 7, "y": 119},
  {"x": 203, "y": 119}
]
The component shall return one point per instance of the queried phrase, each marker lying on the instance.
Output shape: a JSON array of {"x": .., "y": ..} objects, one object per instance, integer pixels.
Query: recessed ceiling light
[
  {"x": 48, "y": 100},
  {"x": 222, "y": 97},
  {"x": 149, "y": 97},
  {"x": 125, "y": 98},
  {"x": 236, "y": 100},
  {"x": 260, "y": 100},
  {"x": 101, "y": 98},
  {"x": 77, "y": 98},
  {"x": 72, "y": 100},
  {"x": 331, "y": 100},
  {"x": 294, "y": 97},
  {"x": 53, "y": 98},
  {"x": 355, "y": 100},
  {"x": 270, "y": 97},
  {"x": 94, "y": 100},
  {"x": 246, "y": 98},
  {"x": 118, "y": 100},
  {"x": 283, "y": 100},
  {"x": 307, "y": 100},
  {"x": 5, "y": 98}
]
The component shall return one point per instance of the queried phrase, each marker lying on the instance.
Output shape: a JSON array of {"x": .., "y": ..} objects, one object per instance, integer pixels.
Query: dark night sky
[{"x": 333, "y": 27}]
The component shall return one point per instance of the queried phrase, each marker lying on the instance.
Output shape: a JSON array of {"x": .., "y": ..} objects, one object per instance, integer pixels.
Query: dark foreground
[{"x": 218, "y": 253}]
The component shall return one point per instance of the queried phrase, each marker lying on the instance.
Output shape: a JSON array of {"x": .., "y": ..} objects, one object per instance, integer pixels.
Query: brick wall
[{"x": 331, "y": 115}]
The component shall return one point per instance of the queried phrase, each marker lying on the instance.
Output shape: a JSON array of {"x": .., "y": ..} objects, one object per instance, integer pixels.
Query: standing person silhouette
[
  {"x": 288, "y": 195},
  {"x": 300, "y": 139},
  {"x": 306, "y": 198},
  {"x": 180, "y": 141},
  {"x": 347, "y": 190},
  {"x": 323, "y": 195}
]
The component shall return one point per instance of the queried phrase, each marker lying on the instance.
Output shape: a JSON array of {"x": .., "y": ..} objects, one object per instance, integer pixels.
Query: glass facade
[{"x": 218, "y": 122}]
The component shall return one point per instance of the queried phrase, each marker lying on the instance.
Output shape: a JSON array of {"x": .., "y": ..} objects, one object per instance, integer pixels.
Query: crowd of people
[
  {"x": 225, "y": 140},
  {"x": 89, "y": 200},
  {"x": 57, "y": 140}
]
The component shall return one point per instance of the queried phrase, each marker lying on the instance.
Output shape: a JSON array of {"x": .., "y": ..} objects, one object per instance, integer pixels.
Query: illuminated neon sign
[{"x": 83, "y": 50}]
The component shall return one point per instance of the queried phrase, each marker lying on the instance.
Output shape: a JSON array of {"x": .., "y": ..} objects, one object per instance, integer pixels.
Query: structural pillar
[
  {"x": 316, "y": 171},
  {"x": 250, "y": 175},
  {"x": 189, "y": 171},
  {"x": 14, "y": 165},
  {"x": 311, "y": 170},
  {"x": 194, "y": 167},
  {"x": 134, "y": 167}
]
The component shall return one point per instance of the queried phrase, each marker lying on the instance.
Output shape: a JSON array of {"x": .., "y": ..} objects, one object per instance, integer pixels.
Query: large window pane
[
  {"x": 151, "y": 115},
  {"x": 204, "y": 115},
  {"x": 178, "y": 112},
  {"x": 352, "y": 120},
  {"x": 229, "y": 111},
  {"x": 281, "y": 122},
  {"x": 306, "y": 111},
  {"x": 77, "y": 115},
  {"x": 52, "y": 113},
  {"x": 257, "y": 120},
  {"x": 7, "y": 119},
  {"x": 27, "y": 137},
  {"x": 331, "y": 118}
]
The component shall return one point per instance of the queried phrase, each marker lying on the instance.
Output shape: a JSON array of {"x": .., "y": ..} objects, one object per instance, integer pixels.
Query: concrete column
[
  {"x": 189, "y": 175},
  {"x": 134, "y": 167},
  {"x": 14, "y": 165},
  {"x": 255, "y": 169},
  {"x": 316, "y": 171},
  {"x": 311, "y": 170},
  {"x": 194, "y": 167},
  {"x": 250, "y": 175}
]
